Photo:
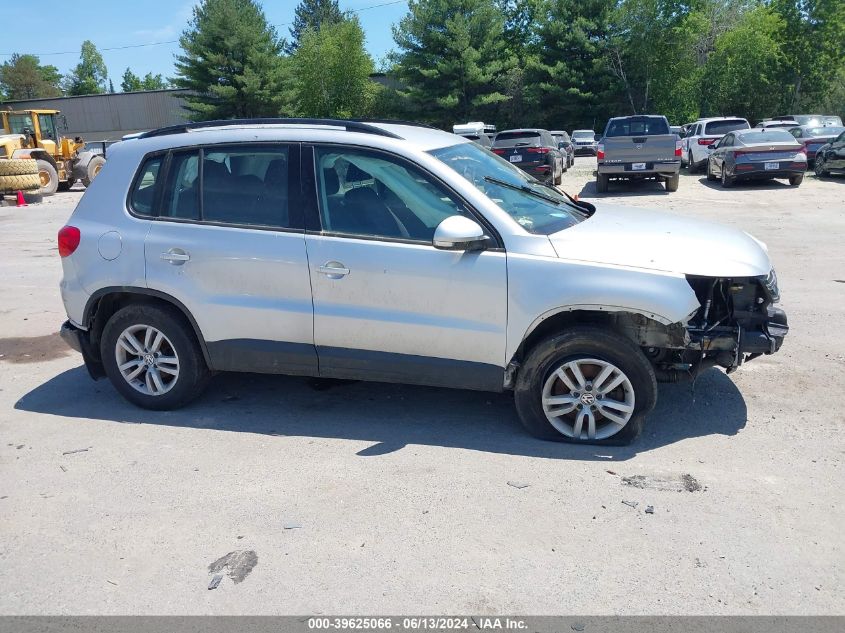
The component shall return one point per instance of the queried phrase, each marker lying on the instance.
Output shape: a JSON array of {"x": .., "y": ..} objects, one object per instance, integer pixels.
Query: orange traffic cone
[{"x": 21, "y": 200}]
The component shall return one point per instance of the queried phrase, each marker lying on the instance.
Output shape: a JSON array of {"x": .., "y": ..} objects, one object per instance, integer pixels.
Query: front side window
[
  {"x": 21, "y": 124},
  {"x": 536, "y": 208},
  {"x": 375, "y": 195}
]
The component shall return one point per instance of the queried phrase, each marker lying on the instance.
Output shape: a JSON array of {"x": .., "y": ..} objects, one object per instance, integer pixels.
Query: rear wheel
[
  {"x": 602, "y": 182},
  {"x": 710, "y": 175},
  {"x": 587, "y": 386},
  {"x": 152, "y": 357},
  {"x": 796, "y": 180},
  {"x": 48, "y": 177},
  {"x": 672, "y": 182}
]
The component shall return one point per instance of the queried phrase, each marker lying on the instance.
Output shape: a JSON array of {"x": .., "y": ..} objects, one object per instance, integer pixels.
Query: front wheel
[
  {"x": 690, "y": 164},
  {"x": 92, "y": 169},
  {"x": 819, "y": 169},
  {"x": 586, "y": 386},
  {"x": 152, "y": 357},
  {"x": 727, "y": 181}
]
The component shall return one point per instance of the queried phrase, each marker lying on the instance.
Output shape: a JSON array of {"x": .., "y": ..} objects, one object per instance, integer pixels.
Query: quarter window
[
  {"x": 369, "y": 194},
  {"x": 142, "y": 198}
]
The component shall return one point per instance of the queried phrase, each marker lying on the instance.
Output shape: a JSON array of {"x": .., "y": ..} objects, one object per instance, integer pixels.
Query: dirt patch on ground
[
  {"x": 33, "y": 349},
  {"x": 685, "y": 482},
  {"x": 237, "y": 564}
]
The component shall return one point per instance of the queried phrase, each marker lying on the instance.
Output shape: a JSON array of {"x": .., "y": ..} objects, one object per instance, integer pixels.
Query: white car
[
  {"x": 397, "y": 253},
  {"x": 701, "y": 134},
  {"x": 774, "y": 123}
]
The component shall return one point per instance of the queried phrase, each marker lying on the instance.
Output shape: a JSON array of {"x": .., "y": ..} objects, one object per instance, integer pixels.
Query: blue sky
[{"x": 112, "y": 23}]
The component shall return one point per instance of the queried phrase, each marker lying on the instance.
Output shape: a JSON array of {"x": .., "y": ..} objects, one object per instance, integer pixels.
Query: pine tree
[
  {"x": 230, "y": 61},
  {"x": 130, "y": 82},
  {"x": 23, "y": 77},
  {"x": 312, "y": 14},
  {"x": 452, "y": 55},
  {"x": 90, "y": 76}
]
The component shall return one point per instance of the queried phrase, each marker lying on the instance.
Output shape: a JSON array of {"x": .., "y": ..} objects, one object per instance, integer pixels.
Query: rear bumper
[
  {"x": 80, "y": 341},
  {"x": 626, "y": 170},
  {"x": 760, "y": 173}
]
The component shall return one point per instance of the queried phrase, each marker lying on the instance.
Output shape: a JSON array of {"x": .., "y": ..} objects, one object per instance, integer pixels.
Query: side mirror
[{"x": 459, "y": 233}]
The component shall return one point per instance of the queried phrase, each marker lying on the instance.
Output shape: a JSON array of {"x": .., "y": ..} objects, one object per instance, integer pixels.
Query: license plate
[
  {"x": 637, "y": 166},
  {"x": 516, "y": 158},
  {"x": 771, "y": 166}
]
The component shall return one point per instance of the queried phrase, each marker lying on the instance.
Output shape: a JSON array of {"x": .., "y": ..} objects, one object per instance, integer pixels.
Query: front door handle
[
  {"x": 333, "y": 270},
  {"x": 175, "y": 256}
]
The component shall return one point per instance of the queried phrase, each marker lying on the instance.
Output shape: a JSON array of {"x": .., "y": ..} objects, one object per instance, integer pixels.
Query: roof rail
[
  {"x": 348, "y": 125},
  {"x": 396, "y": 122}
]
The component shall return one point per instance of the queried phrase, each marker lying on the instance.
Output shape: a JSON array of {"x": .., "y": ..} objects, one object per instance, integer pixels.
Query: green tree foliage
[
  {"x": 90, "y": 76},
  {"x": 331, "y": 72},
  {"x": 231, "y": 60},
  {"x": 568, "y": 78},
  {"x": 312, "y": 14},
  {"x": 452, "y": 57},
  {"x": 742, "y": 75},
  {"x": 23, "y": 77},
  {"x": 133, "y": 83}
]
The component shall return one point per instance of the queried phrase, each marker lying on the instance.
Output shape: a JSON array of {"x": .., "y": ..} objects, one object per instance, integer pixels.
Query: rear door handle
[
  {"x": 333, "y": 270},
  {"x": 176, "y": 256}
]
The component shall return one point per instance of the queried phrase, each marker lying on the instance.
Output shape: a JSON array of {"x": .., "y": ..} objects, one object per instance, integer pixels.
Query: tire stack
[{"x": 19, "y": 174}]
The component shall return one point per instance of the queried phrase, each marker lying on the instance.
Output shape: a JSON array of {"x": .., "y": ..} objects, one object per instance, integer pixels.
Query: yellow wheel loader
[{"x": 61, "y": 161}]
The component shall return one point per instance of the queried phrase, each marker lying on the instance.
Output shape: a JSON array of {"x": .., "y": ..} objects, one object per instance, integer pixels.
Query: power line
[{"x": 120, "y": 48}]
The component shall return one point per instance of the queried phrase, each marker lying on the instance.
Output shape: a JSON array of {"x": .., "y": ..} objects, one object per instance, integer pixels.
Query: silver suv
[{"x": 397, "y": 253}]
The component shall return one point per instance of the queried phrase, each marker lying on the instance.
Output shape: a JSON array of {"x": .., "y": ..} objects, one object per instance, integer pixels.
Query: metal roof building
[{"x": 107, "y": 117}]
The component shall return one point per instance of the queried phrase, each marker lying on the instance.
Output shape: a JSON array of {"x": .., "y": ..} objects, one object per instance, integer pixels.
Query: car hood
[{"x": 641, "y": 238}]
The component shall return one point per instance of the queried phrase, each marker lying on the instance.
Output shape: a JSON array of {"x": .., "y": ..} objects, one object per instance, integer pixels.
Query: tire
[
  {"x": 602, "y": 183},
  {"x": 710, "y": 175},
  {"x": 93, "y": 168},
  {"x": 18, "y": 166},
  {"x": 672, "y": 183},
  {"x": 819, "y": 169},
  {"x": 796, "y": 180},
  {"x": 32, "y": 197},
  {"x": 690, "y": 164},
  {"x": 179, "y": 342},
  {"x": 21, "y": 182},
  {"x": 48, "y": 177},
  {"x": 727, "y": 181},
  {"x": 593, "y": 349},
  {"x": 65, "y": 186},
  {"x": 559, "y": 177}
]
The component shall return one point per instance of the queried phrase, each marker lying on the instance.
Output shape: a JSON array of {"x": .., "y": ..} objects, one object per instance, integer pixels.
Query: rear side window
[
  {"x": 147, "y": 183},
  {"x": 241, "y": 185},
  {"x": 723, "y": 127},
  {"x": 639, "y": 126}
]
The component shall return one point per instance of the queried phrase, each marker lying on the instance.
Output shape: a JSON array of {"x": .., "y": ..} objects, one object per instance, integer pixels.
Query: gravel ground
[{"x": 371, "y": 498}]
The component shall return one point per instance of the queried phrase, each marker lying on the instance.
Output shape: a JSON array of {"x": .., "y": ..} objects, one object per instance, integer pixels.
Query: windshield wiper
[
  {"x": 582, "y": 207},
  {"x": 523, "y": 188}
]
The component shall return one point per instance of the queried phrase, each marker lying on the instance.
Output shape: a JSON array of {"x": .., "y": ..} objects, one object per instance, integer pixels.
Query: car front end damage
[{"x": 737, "y": 321}]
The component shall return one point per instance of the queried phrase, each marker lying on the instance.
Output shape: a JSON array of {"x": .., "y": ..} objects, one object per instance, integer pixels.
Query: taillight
[
  {"x": 69, "y": 237},
  {"x": 498, "y": 151},
  {"x": 600, "y": 151},
  {"x": 537, "y": 150},
  {"x": 706, "y": 141},
  {"x": 678, "y": 150},
  {"x": 800, "y": 157}
]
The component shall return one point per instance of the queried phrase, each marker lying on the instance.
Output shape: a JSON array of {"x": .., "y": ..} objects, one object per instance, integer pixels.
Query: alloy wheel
[
  {"x": 588, "y": 399},
  {"x": 147, "y": 360}
]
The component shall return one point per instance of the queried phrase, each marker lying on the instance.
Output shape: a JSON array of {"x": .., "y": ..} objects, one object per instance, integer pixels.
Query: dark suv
[{"x": 533, "y": 150}]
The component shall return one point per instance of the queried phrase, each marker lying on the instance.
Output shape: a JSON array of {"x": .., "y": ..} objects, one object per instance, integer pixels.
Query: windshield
[
  {"x": 638, "y": 126},
  {"x": 723, "y": 127},
  {"x": 770, "y": 135},
  {"x": 536, "y": 208},
  {"x": 513, "y": 139},
  {"x": 583, "y": 134}
]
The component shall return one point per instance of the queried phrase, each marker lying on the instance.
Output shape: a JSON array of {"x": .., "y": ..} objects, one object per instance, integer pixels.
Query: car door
[
  {"x": 388, "y": 305},
  {"x": 836, "y": 154},
  {"x": 228, "y": 242}
]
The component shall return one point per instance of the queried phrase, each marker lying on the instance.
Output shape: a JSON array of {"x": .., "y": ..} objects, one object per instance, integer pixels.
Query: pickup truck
[{"x": 638, "y": 147}]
